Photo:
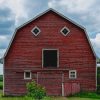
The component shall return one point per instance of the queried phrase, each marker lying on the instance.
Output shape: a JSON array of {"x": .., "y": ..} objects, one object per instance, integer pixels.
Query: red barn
[{"x": 52, "y": 50}]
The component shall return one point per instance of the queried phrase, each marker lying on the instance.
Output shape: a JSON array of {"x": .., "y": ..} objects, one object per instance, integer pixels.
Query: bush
[
  {"x": 35, "y": 91},
  {"x": 98, "y": 89},
  {"x": 1, "y": 85},
  {"x": 98, "y": 80},
  {"x": 1, "y": 78}
]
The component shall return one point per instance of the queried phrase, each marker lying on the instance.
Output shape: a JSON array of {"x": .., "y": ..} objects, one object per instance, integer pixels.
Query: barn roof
[{"x": 50, "y": 9}]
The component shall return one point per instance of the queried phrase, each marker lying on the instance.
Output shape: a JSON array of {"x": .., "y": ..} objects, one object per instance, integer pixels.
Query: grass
[
  {"x": 92, "y": 95},
  {"x": 81, "y": 96},
  {"x": 78, "y": 98},
  {"x": 46, "y": 98}
]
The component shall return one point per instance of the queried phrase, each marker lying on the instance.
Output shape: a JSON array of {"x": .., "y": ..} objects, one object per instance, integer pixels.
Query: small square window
[
  {"x": 72, "y": 74},
  {"x": 27, "y": 75},
  {"x": 65, "y": 31},
  {"x": 35, "y": 31}
]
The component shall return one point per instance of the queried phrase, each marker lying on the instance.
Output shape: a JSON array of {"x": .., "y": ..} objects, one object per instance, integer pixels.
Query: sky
[{"x": 14, "y": 13}]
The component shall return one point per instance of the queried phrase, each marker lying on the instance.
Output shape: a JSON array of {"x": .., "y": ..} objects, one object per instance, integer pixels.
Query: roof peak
[{"x": 44, "y": 12}]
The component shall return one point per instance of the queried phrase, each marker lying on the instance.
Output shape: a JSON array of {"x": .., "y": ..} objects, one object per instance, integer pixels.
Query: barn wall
[{"x": 26, "y": 52}]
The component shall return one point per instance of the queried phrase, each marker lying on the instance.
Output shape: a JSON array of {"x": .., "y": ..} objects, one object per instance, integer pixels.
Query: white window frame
[
  {"x": 57, "y": 56},
  {"x": 63, "y": 29},
  {"x": 71, "y": 74},
  {"x": 38, "y": 32},
  {"x": 25, "y": 74}
]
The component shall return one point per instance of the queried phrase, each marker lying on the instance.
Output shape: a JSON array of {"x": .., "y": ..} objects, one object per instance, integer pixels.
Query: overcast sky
[{"x": 13, "y": 13}]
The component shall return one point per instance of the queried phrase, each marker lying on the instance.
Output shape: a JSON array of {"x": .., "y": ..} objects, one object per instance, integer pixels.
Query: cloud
[
  {"x": 4, "y": 13},
  {"x": 1, "y": 69},
  {"x": 16, "y": 7},
  {"x": 3, "y": 42},
  {"x": 22, "y": 9},
  {"x": 2, "y": 51},
  {"x": 14, "y": 13},
  {"x": 86, "y": 13},
  {"x": 96, "y": 44},
  {"x": 72, "y": 6}
]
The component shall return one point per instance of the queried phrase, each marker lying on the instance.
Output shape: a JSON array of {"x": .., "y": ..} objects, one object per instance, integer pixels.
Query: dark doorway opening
[{"x": 50, "y": 58}]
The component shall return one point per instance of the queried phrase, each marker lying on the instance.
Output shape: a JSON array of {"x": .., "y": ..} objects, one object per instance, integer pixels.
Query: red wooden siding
[
  {"x": 25, "y": 53},
  {"x": 71, "y": 88}
]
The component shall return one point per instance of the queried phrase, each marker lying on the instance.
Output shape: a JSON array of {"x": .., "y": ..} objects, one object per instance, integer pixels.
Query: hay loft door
[{"x": 50, "y": 58}]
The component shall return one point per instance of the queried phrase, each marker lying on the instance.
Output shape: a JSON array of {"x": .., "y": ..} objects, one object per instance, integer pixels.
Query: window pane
[
  {"x": 72, "y": 74},
  {"x": 35, "y": 30},
  {"x": 27, "y": 74}
]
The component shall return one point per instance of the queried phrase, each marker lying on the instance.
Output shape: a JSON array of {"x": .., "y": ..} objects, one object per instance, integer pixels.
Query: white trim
[
  {"x": 40, "y": 16},
  {"x": 90, "y": 43},
  {"x": 25, "y": 75},
  {"x": 38, "y": 30},
  {"x": 10, "y": 42},
  {"x": 66, "y": 29},
  {"x": 70, "y": 74},
  {"x": 63, "y": 89},
  {"x": 57, "y": 56}
]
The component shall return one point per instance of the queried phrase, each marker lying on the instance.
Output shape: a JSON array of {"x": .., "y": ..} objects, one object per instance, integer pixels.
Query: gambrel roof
[{"x": 61, "y": 15}]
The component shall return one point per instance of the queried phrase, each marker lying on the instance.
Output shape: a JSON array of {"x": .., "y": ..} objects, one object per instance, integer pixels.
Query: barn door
[
  {"x": 52, "y": 82},
  {"x": 71, "y": 88}
]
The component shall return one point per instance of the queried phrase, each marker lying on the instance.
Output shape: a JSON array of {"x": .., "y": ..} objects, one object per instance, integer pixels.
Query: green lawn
[
  {"x": 77, "y": 98},
  {"x": 47, "y": 98},
  {"x": 80, "y": 96}
]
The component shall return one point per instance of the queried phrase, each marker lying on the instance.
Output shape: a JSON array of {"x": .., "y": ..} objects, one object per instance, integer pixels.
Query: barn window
[
  {"x": 36, "y": 31},
  {"x": 72, "y": 74},
  {"x": 65, "y": 31},
  {"x": 50, "y": 58},
  {"x": 27, "y": 74}
]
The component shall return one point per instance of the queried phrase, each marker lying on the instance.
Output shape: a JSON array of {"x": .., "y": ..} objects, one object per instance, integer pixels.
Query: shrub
[
  {"x": 1, "y": 78},
  {"x": 35, "y": 91},
  {"x": 1, "y": 85},
  {"x": 98, "y": 89},
  {"x": 98, "y": 80}
]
